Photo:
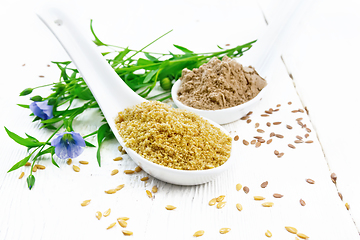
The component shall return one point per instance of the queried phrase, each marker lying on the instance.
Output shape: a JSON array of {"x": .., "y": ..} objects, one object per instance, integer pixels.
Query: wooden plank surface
[{"x": 52, "y": 209}]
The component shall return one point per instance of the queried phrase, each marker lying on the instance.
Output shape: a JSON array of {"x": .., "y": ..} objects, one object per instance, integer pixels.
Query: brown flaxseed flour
[{"x": 219, "y": 84}]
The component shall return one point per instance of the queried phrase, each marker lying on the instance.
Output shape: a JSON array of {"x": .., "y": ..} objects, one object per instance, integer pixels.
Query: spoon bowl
[{"x": 113, "y": 95}]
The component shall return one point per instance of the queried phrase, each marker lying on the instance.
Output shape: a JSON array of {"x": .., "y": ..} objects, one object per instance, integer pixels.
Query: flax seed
[
  {"x": 246, "y": 189},
  {"x": 258, "y": 144},
  {"x": 267, "y": 204},
  {"x": 85, "y": 203},
  {"x": 268, "y": 124},
  {"x": 289, "y": 127},
  {"x": 27, "y": 164},
  {"x": 249, "y": 113},
  {"x": 245, "y": 142},
  {"x": 238, "y": 187},
  {"x": 212, "y": 202},
  {"x": 258, "y": 198},
  {"x": 244, "y": 118},
  {"x": 289, "y": 103},
  {"x": 34, "y": 169},
  {"x": 309, "y": 141},
  {"x": 275, "y": 110},
  {"x": 299, "y": 137},
  {"x": 301, "y": 110},
  {"x": 84, "y": 162},
  {"x": 107, "y": 212},
  {"x": 253, "y": 142},
  {"x": 279, "y": 136},
  {"x": 111, "y": 225},
  {"x": 224, "y": 230},
  {"x": 333, "y": 177},
  {"x": 154, "y": 189},
  {"x": 269, "y": 141},
  {"x": 302, "y": 202},
  {"x": 170, "y": 207},
  {"x": 118, "y": 159},
  {"x": 277, "y": 195},
  {"x": 268, "y": 234},
  {"x": 264, "y": 115},
  {"x": 148, "y": 193},
  {"x": 21, "y": 175},
  {"x": 340, "y": 195},
  {"x": 69, "y": 161},
  {"x": 220, "y": 198},
  {"x": 298, "y": 141},
  {"x": 118, "y": 188},
  {"x": 307, "y": 135},
  {"x": 248, "y": 121},
  {"x": 236, "y": 138},
  {"x": 276, "y": 152},
  {"x": 239, "y": 207},
  {"x": 291, "y": 230},
  {"x": 199, "y": 233},
  {"x": 138, "y": 169},
  {"x": 76, "y": 168},
  {"x": 114, "y": 172},
  {"x": 299, "y": 119},
  {"x": 264, "y": 184},
  {"x": 308, "y": 180},
  {"x": 257, "y": 125},
  {"x": 111, "y": 191},
  {"x": 301, "y": 235},
  {"x": 127, "y": 233},
  {"x": 129, "y": 171},
  {"x": 295, "y": 111},
  {"x": 280, "y": 155},
  {"x": 261, "y": 140},
  {"x": 347, "y": 206},
  {"x": 258, "y": 137},
  {"x": 123, "y": 218},
  {"x": 122, "y": 223},
  {"x": 291, "y": 146},
  {"x": 220, "y": 205},
  {"x": 268, "y": 112},
  {"x": 308, "y": 129},
  {"x": 98, "y": 215},
  {"x": 276, "y": 123},
  {"x": 260, "y": 131},
  {"x": 279, "y": 105},
  {"x": 272, "y": 134},
  {"x": 144, "y": 179}
]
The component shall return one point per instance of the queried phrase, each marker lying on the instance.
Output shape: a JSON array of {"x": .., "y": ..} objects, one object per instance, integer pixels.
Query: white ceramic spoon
[{"x": 113, "y": 95}]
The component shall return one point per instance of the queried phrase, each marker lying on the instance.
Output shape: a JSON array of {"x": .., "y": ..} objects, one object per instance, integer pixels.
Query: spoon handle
[{"x": 110, "y": 92}]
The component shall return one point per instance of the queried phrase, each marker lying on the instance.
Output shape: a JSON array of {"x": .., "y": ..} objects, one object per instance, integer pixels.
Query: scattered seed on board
[
  {"x": 260, "y": 130},
  {"x": 224, "y": 230},
  {"x": 299, "y": 137},
  {"x": 280, "y": 155},
  {"x": 272, "y": 134},
  {"x": 249, "y": 113},
  {"x": 347, "y": 206},
  {"x": 212, "y": 202},
  {"x": 76, "y": 168},
  {"x": 268, "y": 124},
  {"x": 279, "y": 136},
  {"x": 258, "y": 198},
  {"x": 114, "y": 172},
  {"x": 85, "y": 203},
  {"x": 69, "y": 161},
  {"x": 34, "y": 169},
  {"x": 264, "y": 115},
  {"x": 220, "y": 205},
  {"x": 301, "y": 235},
  {"x": 267, "y": 204},
  {"x": 118, "y": 159},
  {"x": 308, "y": 129},
  {"x": 298, "y": 141},
  {"x": 268, "y": 112},
  {"x": 84, "y": 162},
  {"x": 118, "y": 188},
  {"x": 288, "y": 127},
  {"x": 129, "y": 171},
  {"x": 309, "y": 141},
  {"x": 154, "y": 189},
  {"x": 248, "y": 121},
  {"x": 276, "y": 123},
  {"x": 122, "y": 223},
  {"x": 246, "y": 189},
  {"x": 340, "y": 195},
  {"x": 107, "y": 212},
  {"x": 279, "y": 105},
  {"x": 291, "y": 146},
  {"x": 126, "y": 232},
  {"x": 111, "y": 225},
  {"x": 170, "y": 207},
  {"x": 220, "y": 198},
  {"x": 123, "y": 218},
  {"x": 269, "y": 141},
  {"x": 257, "y": 144},
  {"x": 148, "y": 193},
  {"x": 28, "y": 164},
  {"x": 138, "y": 169},
  {"x": 98, "y": 215},
  {"x": 308, "y": 180},
  {"x": 238, "y": 187},
  {"x": 289, "y": 103},
  {"x": 236, "y": 138},
  {"x": 291, "y": 229},
  {"x": 276, "y": 152},
  {"x": 111, "y": 191},
  {"x": 264, "y": 184},
  {"x": 302, "y": 202},
  {"x": 21, "y": 175},
  {"x": 253, "y": 142},
  {"x": 199, "y": 233},
  {"x": 41, "y": 167},
  {"x": 268, "y": 234},
  {"x": 333, "y": 177},
  {"x": 239, "y": 207},
  {"x": 144, "y": 179},
  {"x": 277, "y": 195},
  {"x": 307, "y": 135},
  {"x": 245, "y": 142},
  {"x": 295, "y": 111},
  {"x": 257, "y": 125},
  {"x": 244, "y": 118}
]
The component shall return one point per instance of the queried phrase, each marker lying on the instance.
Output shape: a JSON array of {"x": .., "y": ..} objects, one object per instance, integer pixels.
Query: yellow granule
[{"x": 174, "y": 138}]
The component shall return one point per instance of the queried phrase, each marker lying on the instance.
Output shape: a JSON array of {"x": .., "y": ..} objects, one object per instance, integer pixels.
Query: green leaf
[
  {"x": 88, "y": 144},
  {"x": 19, "y": 163},
  {"x": 149, "y": 76},
  {"x": 30, "y": 181},
  {"x": 104, "y": 132},
  {"x": 119, "y": 58},
  {"x": 23, "y": 105},
  {"x": 97, "y": 40},
  {"x": 185, "y": 50},
  {"x": 22, "y": 141},
  {"x": 151, "y": 58},
  {"x": 26, "y": 91}
]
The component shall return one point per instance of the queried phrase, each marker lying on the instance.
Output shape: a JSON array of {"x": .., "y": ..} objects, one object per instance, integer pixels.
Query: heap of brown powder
[
  {"x": 174, "y": 138},
  {"x": 219, "y": 84}
]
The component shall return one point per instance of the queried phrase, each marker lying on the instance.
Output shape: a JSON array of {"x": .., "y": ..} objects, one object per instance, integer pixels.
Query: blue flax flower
[
  {"x": 68, "y": 144},
  {"x": 42, "y": 109}
]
